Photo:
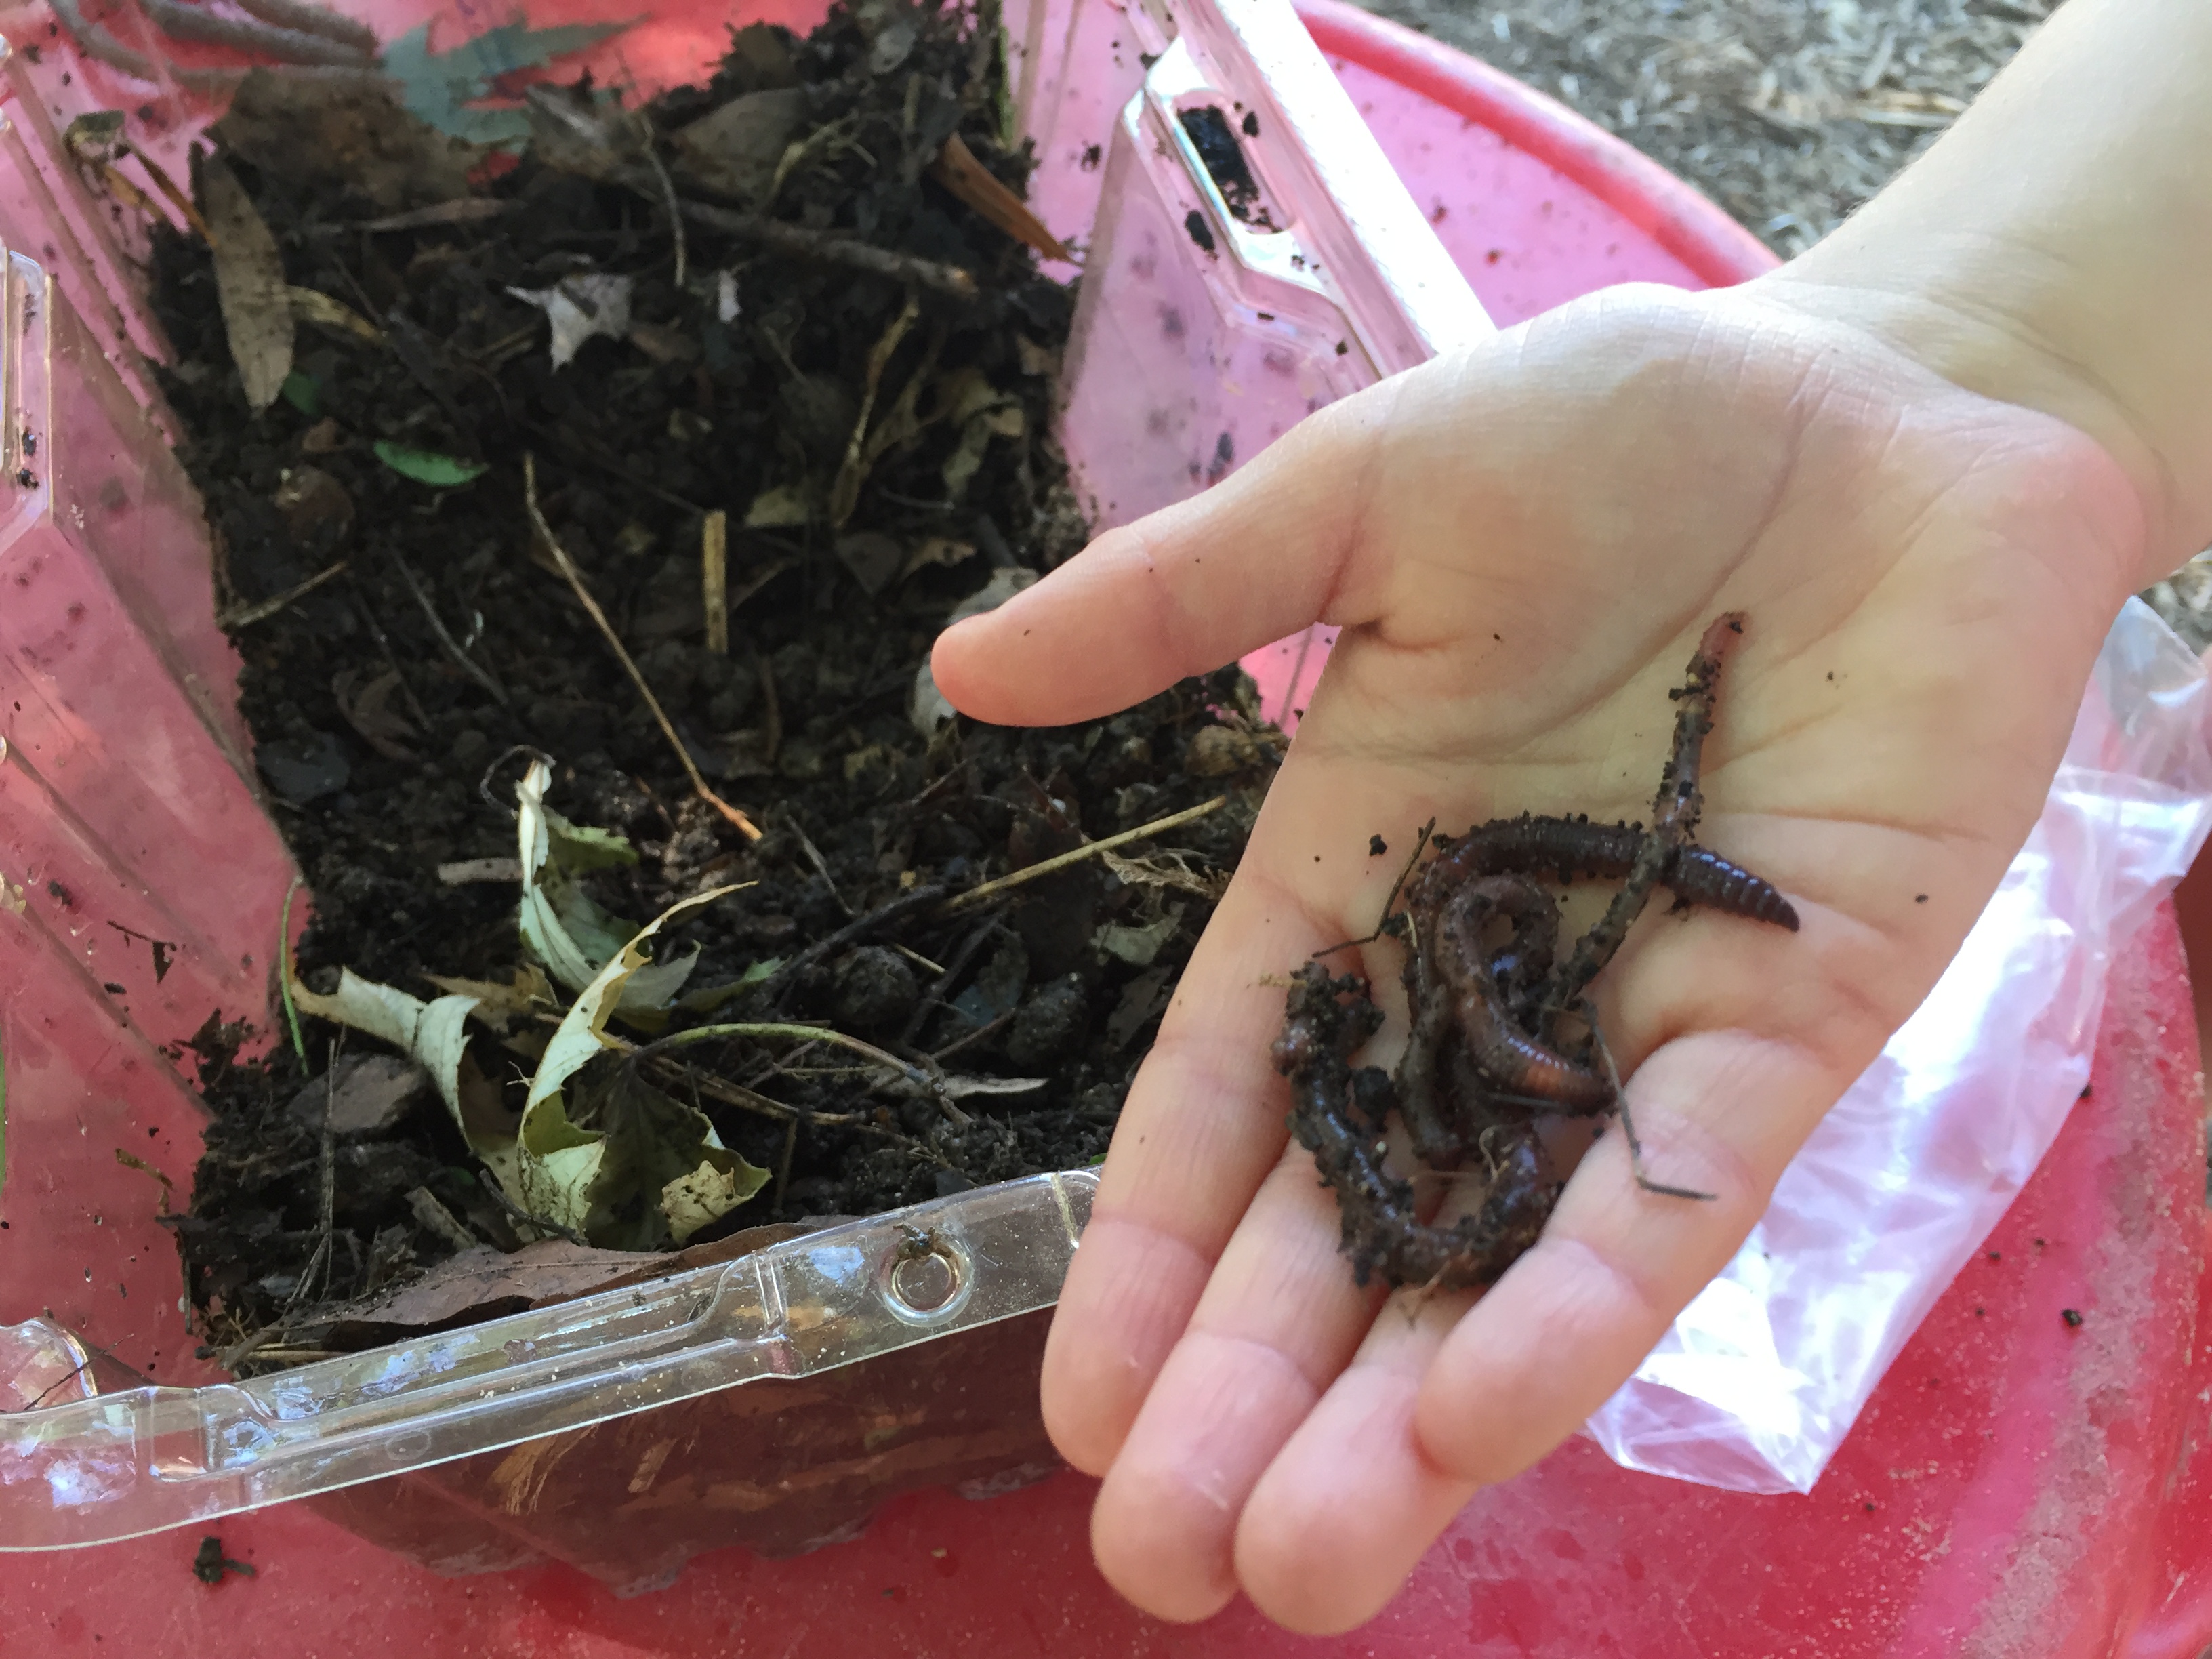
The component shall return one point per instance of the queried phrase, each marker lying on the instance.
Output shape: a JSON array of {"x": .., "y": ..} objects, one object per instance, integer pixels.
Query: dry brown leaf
[
  {"x": 310, "y": 306},
  {"x": 734, "y": 152},
  {"x": 367, "y": 705},
  {"x": 959, "y": 172},
  {"x": 320, "y": 131},
  {"x": 249, "y": 278}
]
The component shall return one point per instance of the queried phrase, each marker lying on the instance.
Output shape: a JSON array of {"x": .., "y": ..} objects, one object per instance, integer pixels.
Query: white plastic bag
[{"x": 1762, "y": 1375}]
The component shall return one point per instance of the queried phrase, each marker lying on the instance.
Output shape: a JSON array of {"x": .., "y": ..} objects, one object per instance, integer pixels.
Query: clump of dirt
[{"x": 812, "y": 364}]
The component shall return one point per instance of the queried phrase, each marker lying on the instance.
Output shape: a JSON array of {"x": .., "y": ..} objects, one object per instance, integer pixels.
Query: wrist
[
  {"x": 1979, "y": 341},
  {"x": 2049, "y": 251}
]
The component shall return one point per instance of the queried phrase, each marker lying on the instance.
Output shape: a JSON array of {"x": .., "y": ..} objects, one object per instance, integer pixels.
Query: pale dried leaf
[
  {"x": 581, "y": 307},
  {"x": 249, "y": 279}
]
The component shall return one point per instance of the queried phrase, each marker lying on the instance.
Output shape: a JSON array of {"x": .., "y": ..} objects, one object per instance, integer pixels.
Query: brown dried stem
[
  {"x": 745, "y": 826},
  {"x": 800, "y": 243},
  {"x": 989, "y": 890},
  {"x": 714, "y": 579}
]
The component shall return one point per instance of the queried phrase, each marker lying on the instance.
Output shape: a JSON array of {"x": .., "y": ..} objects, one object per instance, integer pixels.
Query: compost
[
  {"x": 742, "y": 393},
  {"x": 1502, "y": 1037}
]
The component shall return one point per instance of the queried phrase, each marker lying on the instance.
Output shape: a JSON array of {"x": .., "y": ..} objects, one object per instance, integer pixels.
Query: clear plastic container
[{"x": 146, "y": 882}]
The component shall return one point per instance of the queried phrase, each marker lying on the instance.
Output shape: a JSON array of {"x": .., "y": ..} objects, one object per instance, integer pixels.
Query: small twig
[
  {"x": 675, "y": 212},
  {"x": 917, "y": 958},
  {"x": 924, "y": 1076},
  {"x": 771, "y": 709},
  {"x": 844, "y": 493},
  {"x": 177, "y": 198},
  {"x": 745, "y": 1099},
  {"x": 976, "y": 895},
  {"x": 284, "y": 965},
  {"x": 1628, "y": 1119},
  {"x": 577, "y": 448},
  {"x": 475, "y": 670},
  {"x": 468, "y": 210},
  {"x": 714, "y": 579},
  {"x": 516, "y": 1213},
  {"x": 851, "y": 934},
  {"x": 783, "y": 1167},
  {"x": 367, "y": 615},
  {"x": 744, "y": 825},
  {"x": 975, "y": 1035},
  {"x": 1383, "y": 926},
  {"x": 962, "y": 955},
  {"x": 814, "y": 857},
  {"x": 799, "y": 242},
  {"x": 245, "y": 616}
]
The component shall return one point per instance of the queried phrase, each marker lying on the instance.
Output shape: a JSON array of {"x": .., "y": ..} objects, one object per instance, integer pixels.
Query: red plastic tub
[{"x": 2018, "y": 1487}]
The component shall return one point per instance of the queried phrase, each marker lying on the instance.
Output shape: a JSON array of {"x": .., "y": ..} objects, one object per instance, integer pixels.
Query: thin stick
[
  {"x": 515, "y": 1212},
  {"x": 850, "y": 934},
  {"x": 922, "y": 1077},
  {"x": 963, "y": 954},
  {"x": 1628, "y": 1121},
  {"x": 735, "y": 1094},
  {"x": 975, "y": 1035},
  {"x": 745, "y": 826},
  {"x": 714, "y": 579},
  {"x": 976, "y": 895},
  {"x": 799, "y": 242},
  {"x": 675, "y": 213},
  {"x": 1383, "y": 926},
  {"x": 177, "y": 198},
  {"x": 475, "y": 670},
  {"x": 814, "y": 857},
  {"x": 284, "y": 961},
  {"x": 783, "y": 1166},
  {"x": 245, "y": 616},
  {"x": 844, "y": 493},
  {"x": 318, "y": 1262}
]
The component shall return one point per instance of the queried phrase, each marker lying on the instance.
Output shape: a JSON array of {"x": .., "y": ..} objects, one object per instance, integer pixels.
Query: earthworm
[
  {"x": 1573, "y": 848},
  {"x": 1481, "y": 1064},
  {"x": 1382, "y": 1232},
  {"x": 1674, "y": 812},
  {"x": 1510, "y": 1059}
]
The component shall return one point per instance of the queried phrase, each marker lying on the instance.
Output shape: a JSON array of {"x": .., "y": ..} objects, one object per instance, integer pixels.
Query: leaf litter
[{"x": 654, "y": 932}]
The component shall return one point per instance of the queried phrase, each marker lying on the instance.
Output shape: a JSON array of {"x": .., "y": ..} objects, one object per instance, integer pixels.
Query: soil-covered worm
[
  {"x": 1336, "y": 1115},
  {"x": 1573, "y": 848},
  {"x": 1506, "y": 1056},
  {"x": 1483, "y": 1062}
]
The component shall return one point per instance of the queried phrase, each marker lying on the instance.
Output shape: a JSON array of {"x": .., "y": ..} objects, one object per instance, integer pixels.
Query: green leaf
[
  {"x": 427, "y": 466},
  {"x": 431, "y": 1033},
  {"x": 713, "y": 998},
  {"x": 561, "y": 924},
  {"x": 642, "y": 1142},
  {"x": 446, "y": 88},
  {"x": 579, "y": 847},
  {"x": 582, "y": 1033},
  {"x": 304, "y": 392}
]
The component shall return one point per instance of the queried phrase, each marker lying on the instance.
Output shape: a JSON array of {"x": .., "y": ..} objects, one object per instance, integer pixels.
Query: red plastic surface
[{"x": 2018, "y": 1487}]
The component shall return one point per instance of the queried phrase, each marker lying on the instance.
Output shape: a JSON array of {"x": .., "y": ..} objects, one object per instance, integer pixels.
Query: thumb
[{"x": 1265, "y": 554}]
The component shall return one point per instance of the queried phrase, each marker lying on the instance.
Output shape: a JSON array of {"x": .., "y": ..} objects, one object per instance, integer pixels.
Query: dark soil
[{"x": 389, "y": 751}]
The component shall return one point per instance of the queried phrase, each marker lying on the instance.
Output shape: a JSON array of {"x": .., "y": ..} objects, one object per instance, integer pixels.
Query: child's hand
[{"x": 1521, "y": 546}]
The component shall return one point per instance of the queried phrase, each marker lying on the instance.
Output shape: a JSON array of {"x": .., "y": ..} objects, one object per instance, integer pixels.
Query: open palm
[{"x": 1522, "y": 545}]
